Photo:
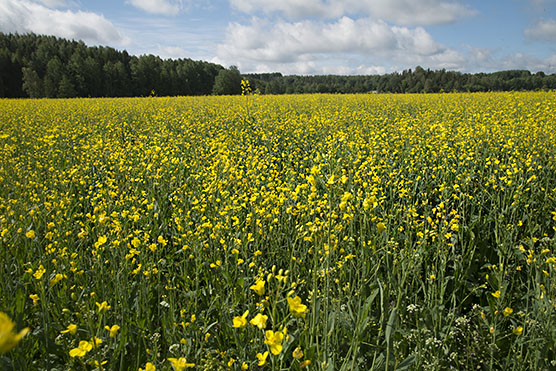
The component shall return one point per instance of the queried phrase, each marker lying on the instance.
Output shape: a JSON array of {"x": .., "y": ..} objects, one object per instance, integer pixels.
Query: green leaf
[
  {"x": 406, "y": 363},
  {"x": 390, "y": 325}
]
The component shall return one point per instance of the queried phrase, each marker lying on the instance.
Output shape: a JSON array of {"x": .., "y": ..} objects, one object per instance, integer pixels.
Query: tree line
[
  {"x": 46, "y": 66},
  {"x": 418, "y": 80}
]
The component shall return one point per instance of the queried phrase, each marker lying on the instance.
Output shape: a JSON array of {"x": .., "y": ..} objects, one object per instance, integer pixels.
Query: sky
[{"x": 308, "y": 37}]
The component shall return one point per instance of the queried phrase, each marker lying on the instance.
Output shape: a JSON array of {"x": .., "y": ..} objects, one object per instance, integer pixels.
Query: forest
[
  {"x": 418, "y": 80},
  {"x": 38, "y": 66},
  {"x": 46, "y": 66}
]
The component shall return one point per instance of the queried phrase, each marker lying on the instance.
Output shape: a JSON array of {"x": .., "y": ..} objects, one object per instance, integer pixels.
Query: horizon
[{"x": 336, "y": 37}]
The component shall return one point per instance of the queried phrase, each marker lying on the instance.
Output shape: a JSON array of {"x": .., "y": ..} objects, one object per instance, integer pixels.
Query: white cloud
[
  {"x": 27, "y": 16},
  {"x": 544, "y": 30},
  {"x": 291, "y": 8},
  {"x": 164, "y": 7},
  {"x": 313, "y": 47},
  {"x": 288, "y": 42},
  {"x": 418, "y": 12},
  {"x": 54, "y": 3},
  {"x": 401, "y": 12},
  {"x": 487, "y": 60},
  {"x": 522, "y": 61},
  {"x": 173, "y": 52}
]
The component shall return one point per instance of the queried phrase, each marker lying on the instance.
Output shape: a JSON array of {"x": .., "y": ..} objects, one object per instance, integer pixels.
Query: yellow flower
[
  {"x": 240, "y": 322},
  {"x": 103, "y": 307},
  {"x": 35, "y": 298},
  {"x": 259, "y": 320},
  {"x": 297, "y": 353},
  {"x": 162, "y": 241},
  {"x": 296, "y": 308},
  {"x": 262, "y": 358},
  {"x": 244, "y": 366},
  {"x": 113, "y": 330},
  {"x": 518, "y": 330},
  {"x": 380, "y": 227},
  {"x": 148, "y": 367},
  {"x": 95, "y": 342},
  {"x": 305, "y": 363},
  {"x": 39, "y": 272},
  {"x": 72, "y": 329},
  {"x": 101, "y": 241},
  {"x": 57, "y": 278},
  {"x": 508, "y": 311},
  {"x": 135, "y": 242},
  {"x": 258, "y": 287},
  {"x": 30, "y": 234},
  {"x": 496, "y": 294},
  {"x": 82, "y": 349},
  {"x": 8, "y": 338},
  {"x": 180, "y": 364},
  {"x": 274, "y": 341}
]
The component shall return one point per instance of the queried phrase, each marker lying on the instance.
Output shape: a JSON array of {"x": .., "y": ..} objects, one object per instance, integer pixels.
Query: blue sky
[{"x": 309, "y": 36}]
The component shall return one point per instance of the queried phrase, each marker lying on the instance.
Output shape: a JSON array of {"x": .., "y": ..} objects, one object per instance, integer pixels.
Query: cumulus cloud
[
  {"x": 327, "y": 47},
  {"x": 544, "y": 30},
  {"x": 401, "y": 12},
  {"x": 54, "y": 3},
  {"x": 488, "y": 60},
  {"x": 27, "y": 16},
  {"x": 174, "y": 52},
  {"x": 288, "y": 42},
  {"x": 164, "y": 7},
  {"x": 522, "y": 61}
]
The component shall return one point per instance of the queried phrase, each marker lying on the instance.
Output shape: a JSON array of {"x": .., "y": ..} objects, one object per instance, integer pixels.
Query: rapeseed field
[{"x": 315, "y": 232}]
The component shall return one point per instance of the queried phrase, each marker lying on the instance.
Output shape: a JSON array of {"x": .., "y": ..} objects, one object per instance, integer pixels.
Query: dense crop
[{"x": 317, "y": 231}]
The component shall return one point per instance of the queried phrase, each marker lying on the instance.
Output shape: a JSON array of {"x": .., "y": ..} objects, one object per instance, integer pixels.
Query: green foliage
[
  {"x": 408, "y": 81},
  {"x": 46, "y": 66},
  {"x": 228, "y": 82}
]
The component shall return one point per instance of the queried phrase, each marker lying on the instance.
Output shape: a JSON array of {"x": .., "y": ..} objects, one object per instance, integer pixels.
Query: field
[{"x": 315, "y": 232}]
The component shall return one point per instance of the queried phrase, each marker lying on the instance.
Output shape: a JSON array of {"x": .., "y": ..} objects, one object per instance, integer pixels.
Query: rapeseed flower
[
  {"x": 296, "y": 308},
  {"x": 259, "y": 320},
  {"x": 262, "y": 358},
  {"x": 8, "y": 338},
  {"x": 148, "y": 367},
  {"x": 258, "y": 287},
  {"x": 83, "y": 348},
  {"x": 72, "y": 329},
  {"x": 57, "y": 278},
  {"x": 297, "y": 353},
  {"x": 274, "y": 341},
  {"x": 305, "y": 363},
  {"x": 39, "y": 272},
  {"x": 239, "y": 322},
  {"x": 113, "y": 330},
  {"x": 180, "y": 364},
  {"x": 103, "y": 307},
  {"x": 35, "y": 298}
]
